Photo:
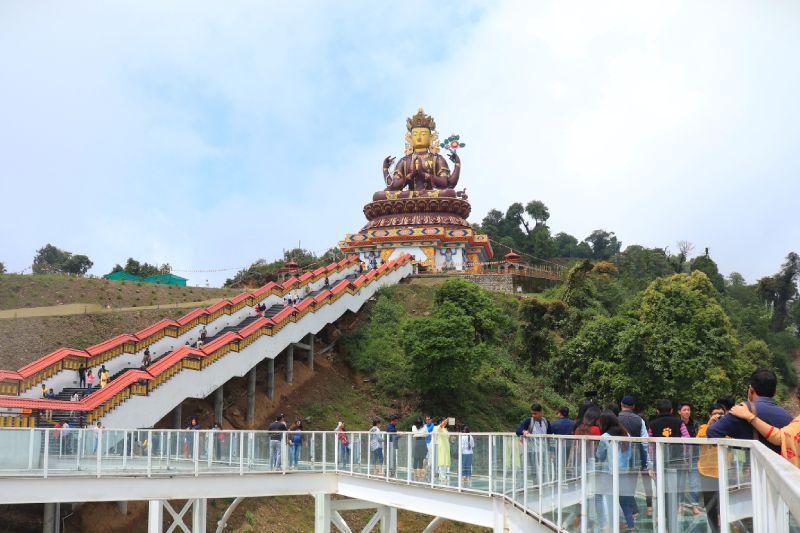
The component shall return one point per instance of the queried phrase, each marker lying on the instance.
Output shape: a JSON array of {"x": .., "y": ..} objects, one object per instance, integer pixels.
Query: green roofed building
[
  {"x": 122, "y": 276},
  {"x": 166, "y": 279},
  {"x": 163, "y": 279}
]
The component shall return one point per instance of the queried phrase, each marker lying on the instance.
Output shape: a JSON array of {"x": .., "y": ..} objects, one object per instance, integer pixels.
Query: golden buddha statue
[{"x": 421, "y": 168}]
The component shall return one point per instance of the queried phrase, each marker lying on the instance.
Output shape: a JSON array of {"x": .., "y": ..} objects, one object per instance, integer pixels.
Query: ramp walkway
[{"x": 513, "y": 484}]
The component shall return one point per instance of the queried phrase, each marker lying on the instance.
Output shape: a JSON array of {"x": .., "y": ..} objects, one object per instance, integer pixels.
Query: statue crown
[{"x": 421, "y": 120}]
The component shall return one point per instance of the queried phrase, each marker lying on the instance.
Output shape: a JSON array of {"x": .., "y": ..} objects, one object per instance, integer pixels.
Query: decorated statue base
[{"x": 420, "y": 212}]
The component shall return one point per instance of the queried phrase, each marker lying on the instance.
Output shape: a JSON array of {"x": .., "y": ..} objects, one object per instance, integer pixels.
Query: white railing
[{"x": 566, "y": 483}]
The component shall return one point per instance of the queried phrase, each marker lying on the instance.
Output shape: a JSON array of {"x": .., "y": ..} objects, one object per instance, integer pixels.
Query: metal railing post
[
  {"x": 352, "y": 443},
  {"x": 615, "y": 486},
  {"x": 559, "y": 476},
  {"x": 196, "y": 451},
  {"x": 150, "y": 452},
  {"x": 409, "y": 443},
  {"x": 514, "y": 445},
  {"x": 491, "y": 464},
  {"x": 722, "y": 468},
  {"x": 661, "y": 504},
  {"x": 460, "y": 463},
  {"x": 584, "y": 489},
  {"x": 525, "y": 472},
  {"x": 124, "y": 449},
  {"x": 31, "y": 439},
  {"x": 46, "y": 457},
  {"x": 241, "y": 452},
  {"x": 100, "y": 445}
]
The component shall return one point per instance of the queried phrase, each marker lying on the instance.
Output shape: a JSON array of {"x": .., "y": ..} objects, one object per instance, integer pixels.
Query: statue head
[{"x": 422, "y": 135}]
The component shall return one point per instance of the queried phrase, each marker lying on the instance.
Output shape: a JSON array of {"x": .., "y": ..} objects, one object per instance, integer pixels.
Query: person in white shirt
[
  {"x": 467, "y": 447},
  {"x": 376, "y": 447}
]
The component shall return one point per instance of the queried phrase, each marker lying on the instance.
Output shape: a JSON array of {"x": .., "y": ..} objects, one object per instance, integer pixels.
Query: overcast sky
[{"x": 211, "y": 134}]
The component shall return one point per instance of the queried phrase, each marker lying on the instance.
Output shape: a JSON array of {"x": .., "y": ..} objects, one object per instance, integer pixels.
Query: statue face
[{"x": 420, "y": 138}]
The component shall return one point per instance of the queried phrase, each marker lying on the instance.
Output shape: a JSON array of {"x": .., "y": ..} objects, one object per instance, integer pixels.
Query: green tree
[
  {"x": 49, "y": 260},
  {"x": 541, "y": 319},
  {"x": 677, "y": 343},
  {"x": 77, "y": 264},
  {"x": 779, "y": 291},
  {"x": 638, "y": 266},
  {"x": 485, "y": 318},
  {"x": 705, "y": 264},
  {"x": 538, "y": 212},
  {"x": 443, "y": 355},
  {"x": 604, "y": 244},
  {"x": 376, "y": 350},
  {"x": 52, "y": 260},
  {"x": 2, "y": 268}
]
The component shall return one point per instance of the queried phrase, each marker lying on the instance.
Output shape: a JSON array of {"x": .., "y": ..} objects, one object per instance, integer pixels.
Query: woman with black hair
[{"x": 610, "y": 426}]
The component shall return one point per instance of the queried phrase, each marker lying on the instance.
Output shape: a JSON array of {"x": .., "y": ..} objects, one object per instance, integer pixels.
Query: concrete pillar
[
  {"x": 51, "y": 521},
  {"x": 199, "y": 511},
  {"x": 322, "y": 513},
  {"x": 270, "y": 378},
  {"x": 251, "y": 396},
  {"x": 389, "y": 520},
  {"x": 122, "y": 506},
  {"x": 289, "y": 364},
  {"x": 155, "y": 516},
  {"x": 177, "y": 415},
  {"x": 218, "y": 405},
  {"x": 310, "y": 341}
]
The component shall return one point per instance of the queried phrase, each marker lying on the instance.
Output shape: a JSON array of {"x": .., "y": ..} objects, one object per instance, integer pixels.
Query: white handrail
[{"x": 550, "y": 477}]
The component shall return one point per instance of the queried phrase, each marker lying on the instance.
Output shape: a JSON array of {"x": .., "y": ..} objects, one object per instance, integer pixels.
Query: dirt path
[{"x": 84, "y": 309}]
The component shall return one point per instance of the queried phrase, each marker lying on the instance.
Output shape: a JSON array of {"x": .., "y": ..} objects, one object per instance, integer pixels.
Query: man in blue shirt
[
  {"x": 760, "y": 390},
  {"x": 563, "y": 424},
  {"x": 392, "y": 448}
]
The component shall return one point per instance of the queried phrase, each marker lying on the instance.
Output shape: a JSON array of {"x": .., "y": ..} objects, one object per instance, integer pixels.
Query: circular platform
[{"x": 404, "y": 212}]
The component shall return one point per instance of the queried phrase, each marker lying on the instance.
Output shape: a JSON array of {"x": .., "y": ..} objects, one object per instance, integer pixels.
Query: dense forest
[{"x": 638, "y": 321}]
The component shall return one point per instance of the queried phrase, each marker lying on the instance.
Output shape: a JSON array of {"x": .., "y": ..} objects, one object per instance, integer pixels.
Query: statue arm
[
  {"x": 396, "y": 181},
  {"x": 452, "y": 181},
  {"x": 441, "y": 178}
]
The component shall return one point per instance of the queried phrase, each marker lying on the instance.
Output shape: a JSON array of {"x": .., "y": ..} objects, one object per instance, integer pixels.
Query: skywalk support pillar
[
  {"x": 310, "y": 341},
  {"x": 289, "y": 364},
  {"x": 218, "y": 405},
  {"x": 50, "y": 521},
  {"x": 177, "y": 422},
  {"x": 251, "y": 396},
  {"x": 270, "y": 378},
  {"x": 322, "y": 513},
  {"x": 155, "y": 516}
]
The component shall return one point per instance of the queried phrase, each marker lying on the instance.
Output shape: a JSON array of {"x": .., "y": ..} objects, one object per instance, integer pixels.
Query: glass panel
[
  {"x": 397, "y": 456},
  {"x": 739, "y": 477}
]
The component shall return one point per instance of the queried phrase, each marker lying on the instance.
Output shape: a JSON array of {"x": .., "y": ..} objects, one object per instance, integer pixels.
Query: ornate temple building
[{"x": 420, "y": 212}]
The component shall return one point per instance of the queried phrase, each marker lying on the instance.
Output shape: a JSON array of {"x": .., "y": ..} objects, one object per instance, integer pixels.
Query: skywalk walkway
[{"x": 516, "y": 484}]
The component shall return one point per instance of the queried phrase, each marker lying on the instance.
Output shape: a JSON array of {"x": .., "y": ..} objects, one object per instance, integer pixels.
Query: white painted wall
[
  {"x": 144, "y": 411},
  {"x": 69, "y": 378}
]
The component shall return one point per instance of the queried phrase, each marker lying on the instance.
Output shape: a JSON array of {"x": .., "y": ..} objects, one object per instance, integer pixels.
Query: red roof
[
  {"x": 191, "y": 315},
  {"x": 220, "y": 341},
  {"x": 213, "y": 308},
  {"x": 155, "y": 328},
  {"x": 110, "y": 343}
]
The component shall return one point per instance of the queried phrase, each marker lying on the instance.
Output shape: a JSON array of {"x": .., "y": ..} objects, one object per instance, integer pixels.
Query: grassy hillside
[{"x": 20, "y": 291}]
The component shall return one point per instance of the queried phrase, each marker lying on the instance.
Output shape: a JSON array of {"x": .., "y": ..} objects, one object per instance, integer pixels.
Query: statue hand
[
  {"x": 388, "y": 161},
  {"x": 454, "y": 157}
]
